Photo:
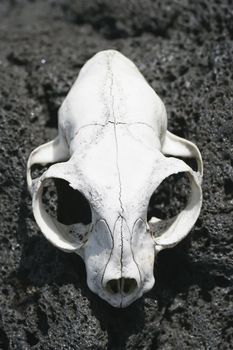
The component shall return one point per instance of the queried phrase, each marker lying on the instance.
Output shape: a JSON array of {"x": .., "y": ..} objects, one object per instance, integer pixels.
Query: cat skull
[{"x": 112, "y": 147}]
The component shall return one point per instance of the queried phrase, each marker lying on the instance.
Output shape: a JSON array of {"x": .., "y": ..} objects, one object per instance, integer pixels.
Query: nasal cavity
[{"x": 122, "y": 285}]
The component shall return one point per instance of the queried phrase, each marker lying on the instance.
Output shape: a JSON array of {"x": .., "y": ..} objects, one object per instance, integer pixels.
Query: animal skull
[{"x": 111, "y": 147}]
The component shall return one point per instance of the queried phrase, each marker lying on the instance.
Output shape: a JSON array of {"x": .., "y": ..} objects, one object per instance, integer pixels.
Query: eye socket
[
  {"x": 170, "y": 198},
  {"x": 67, "y": 205}
]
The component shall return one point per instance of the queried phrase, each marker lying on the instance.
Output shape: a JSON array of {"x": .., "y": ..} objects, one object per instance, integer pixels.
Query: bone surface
[{"x": 112, "y": 146}]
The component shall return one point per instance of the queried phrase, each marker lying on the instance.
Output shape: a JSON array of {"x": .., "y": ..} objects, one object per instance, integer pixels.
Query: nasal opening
[{"x": 122, "y": 285}]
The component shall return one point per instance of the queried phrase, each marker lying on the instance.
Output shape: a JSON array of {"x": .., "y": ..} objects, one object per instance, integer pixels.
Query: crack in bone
[{"x": 117, "y": 160}]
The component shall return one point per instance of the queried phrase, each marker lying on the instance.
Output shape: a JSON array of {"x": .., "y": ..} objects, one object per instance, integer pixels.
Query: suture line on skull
[{"x": 117, "y": 163}]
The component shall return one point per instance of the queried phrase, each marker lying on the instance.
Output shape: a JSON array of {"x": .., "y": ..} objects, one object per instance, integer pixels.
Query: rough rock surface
[{"x": 185, "y": 50}]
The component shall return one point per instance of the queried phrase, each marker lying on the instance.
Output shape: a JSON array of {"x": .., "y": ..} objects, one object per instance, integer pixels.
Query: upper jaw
[{"x": 119, "y": 300}]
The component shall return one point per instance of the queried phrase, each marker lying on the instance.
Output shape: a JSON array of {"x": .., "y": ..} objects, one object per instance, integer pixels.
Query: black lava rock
[{"x": 184, "y": 49}]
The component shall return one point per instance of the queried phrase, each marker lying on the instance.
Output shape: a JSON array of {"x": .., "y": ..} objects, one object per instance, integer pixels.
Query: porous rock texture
[{"x": 185, "y": 50}]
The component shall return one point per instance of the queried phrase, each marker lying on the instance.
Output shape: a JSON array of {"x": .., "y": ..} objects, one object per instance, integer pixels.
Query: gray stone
[{"x": 184, "y": 49}]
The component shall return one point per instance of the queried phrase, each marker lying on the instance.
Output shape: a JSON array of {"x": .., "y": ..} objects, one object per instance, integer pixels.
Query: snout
[
  {"x": 122, "y": 270},
  {"x": 123, "y": 291},
  {"x": 123, "y": 286},
  {"x": 120, "y": 292}
]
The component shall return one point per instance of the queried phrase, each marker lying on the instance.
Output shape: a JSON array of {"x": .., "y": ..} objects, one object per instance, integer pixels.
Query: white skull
[{"x": 110, "y": 147}]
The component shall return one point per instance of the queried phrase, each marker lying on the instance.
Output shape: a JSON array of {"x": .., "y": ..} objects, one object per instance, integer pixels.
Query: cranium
[{"x": 111, "y": 147}]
